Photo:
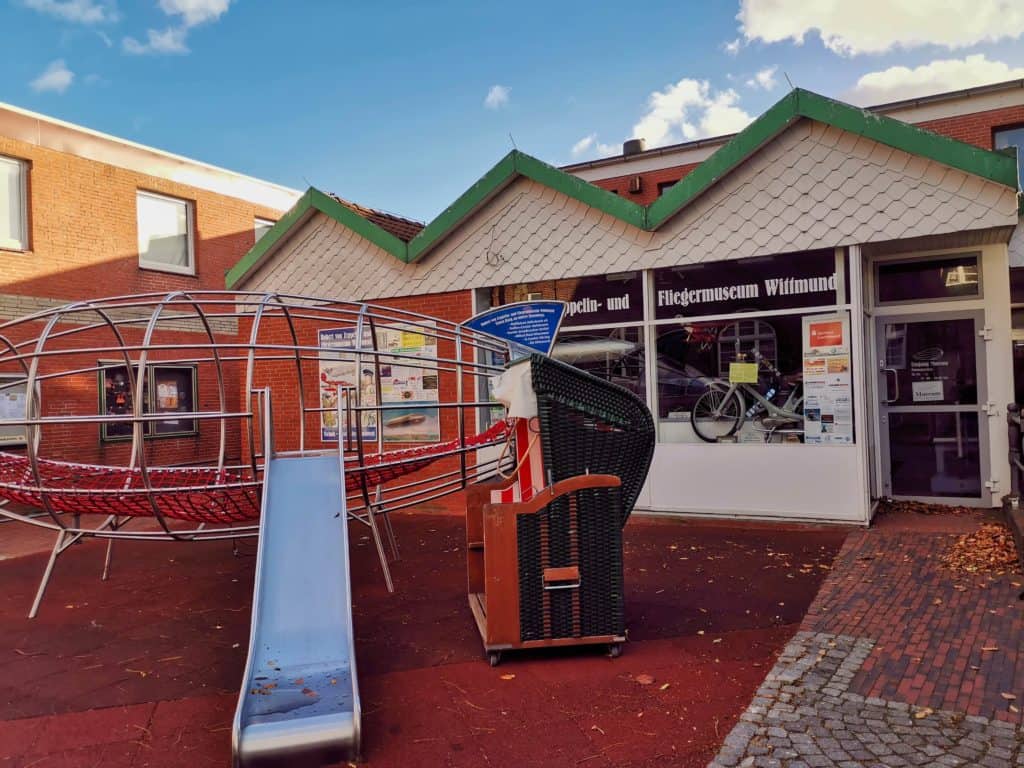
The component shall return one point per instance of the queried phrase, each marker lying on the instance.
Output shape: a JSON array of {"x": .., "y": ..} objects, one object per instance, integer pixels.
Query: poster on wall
[
  {"x": 402, "y": 383},
  {"x": 828, "y": 383},
  {"x": 408, "y": 384},
  {"x": 12, "y": 407}
]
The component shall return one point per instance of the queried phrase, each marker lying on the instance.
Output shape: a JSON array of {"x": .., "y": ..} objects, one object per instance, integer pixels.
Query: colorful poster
[
  {"x": 828, "y": 384},
  {"x": 406, "y": 387},
  {"x": 339, "y": 374}
]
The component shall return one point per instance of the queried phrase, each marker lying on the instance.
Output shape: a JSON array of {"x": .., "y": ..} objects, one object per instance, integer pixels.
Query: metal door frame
[{"x": 883, "y": 410}]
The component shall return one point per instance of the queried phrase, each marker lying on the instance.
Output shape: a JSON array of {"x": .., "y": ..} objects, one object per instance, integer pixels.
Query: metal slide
[{"x": 299, "y": 703}]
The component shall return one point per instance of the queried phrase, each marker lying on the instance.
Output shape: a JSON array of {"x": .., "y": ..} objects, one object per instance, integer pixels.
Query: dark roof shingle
[{"x": 402, "y": 228}]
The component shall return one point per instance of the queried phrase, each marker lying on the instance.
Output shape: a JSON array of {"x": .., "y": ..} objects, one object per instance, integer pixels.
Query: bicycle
[{"x": 721, "y": 410}]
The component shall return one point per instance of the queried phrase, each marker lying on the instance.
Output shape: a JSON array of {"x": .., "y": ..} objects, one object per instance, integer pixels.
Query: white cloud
[
  {"x": 764, "y": 79},
  {"x": 896, "y": 83},
  {"x": 76, "y": 11},
  {"x": 497, "y": 97},
  {"x": 56, "y": 78},
  {"x": 195, "y": 12},
  {"x": 590, "y": 146},
  {"x": 690, "y": 109},
  {"x": 875, "y": 26},
  {"x": 732, "y": 48},
  {"x": 173, "y": 39},
  {"x": 583, "y": 145},
  {"x": 170, "y": 40}
]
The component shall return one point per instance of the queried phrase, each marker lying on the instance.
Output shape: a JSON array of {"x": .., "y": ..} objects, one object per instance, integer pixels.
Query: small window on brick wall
[
  {"x": 262, "y": 226},
  {"x": 166, "y": 389},
  {"x": 665, "y": 186},
  {"x": 1012, "y": 136},
  {"x": 165, "y": 233},
  {"x": 13, "y": 204}
]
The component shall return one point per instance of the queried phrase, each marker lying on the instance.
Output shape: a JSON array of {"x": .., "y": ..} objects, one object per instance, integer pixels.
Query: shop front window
[
  {"x": 612, "y": 354},
  {"x": 752, "y": 350},
  {"x": 734, "y": 366}
]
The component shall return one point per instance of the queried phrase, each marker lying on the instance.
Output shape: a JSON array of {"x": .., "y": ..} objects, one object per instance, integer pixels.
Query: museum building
[{"x": 861, "y": 262}]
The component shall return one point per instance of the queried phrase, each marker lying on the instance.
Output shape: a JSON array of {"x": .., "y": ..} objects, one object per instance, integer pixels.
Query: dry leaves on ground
[
  {"x": 990, "y": 549},
  {"x": 923, "y": 508}
]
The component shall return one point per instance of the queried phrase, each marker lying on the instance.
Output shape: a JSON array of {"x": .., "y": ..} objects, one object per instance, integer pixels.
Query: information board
[
  {"x": 828, "y": 383},
  {"x": 529, "y": 326}
]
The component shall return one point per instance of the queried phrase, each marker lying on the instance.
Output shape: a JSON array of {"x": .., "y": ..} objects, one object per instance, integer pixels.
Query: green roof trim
[{"x": 994, "y": 166}]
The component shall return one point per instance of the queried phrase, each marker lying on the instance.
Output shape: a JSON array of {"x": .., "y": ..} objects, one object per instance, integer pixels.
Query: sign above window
[
  {"x": 746, "y": 285},
  {"x": 598, "y": 300}
]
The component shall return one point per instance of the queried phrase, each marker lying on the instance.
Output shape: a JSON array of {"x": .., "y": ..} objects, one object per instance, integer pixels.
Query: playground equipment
[
  {"x": 544, "y": 544},
  {"x": 225, "y": 415}
]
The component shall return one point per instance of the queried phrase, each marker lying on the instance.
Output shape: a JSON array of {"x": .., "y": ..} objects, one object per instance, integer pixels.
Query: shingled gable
[{"x": 993, "y": 166}]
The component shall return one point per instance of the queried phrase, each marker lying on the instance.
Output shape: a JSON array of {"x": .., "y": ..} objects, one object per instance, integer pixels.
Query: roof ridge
[{"x": 795, "y": 105}]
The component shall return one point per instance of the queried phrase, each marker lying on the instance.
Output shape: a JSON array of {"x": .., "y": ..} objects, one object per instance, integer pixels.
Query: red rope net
[{"x": 194, "y": 494}]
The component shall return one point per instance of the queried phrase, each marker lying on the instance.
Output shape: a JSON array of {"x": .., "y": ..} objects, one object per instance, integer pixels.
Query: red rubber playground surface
[{"x": 143, "y": 670}]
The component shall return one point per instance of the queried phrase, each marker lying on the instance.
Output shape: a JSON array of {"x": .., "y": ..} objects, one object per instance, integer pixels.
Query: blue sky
[{"x": 388, "y": 104}]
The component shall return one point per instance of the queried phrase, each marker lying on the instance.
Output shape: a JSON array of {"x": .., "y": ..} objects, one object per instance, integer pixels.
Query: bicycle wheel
[{"x": 716, "y": 414}]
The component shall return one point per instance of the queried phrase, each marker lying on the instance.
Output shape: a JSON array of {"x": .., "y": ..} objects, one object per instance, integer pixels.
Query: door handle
[{"x": 896, "y": 388}]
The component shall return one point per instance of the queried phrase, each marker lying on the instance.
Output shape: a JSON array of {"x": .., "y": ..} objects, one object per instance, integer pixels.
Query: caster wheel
[
  {"x": 494, "y": 657},
  {"x": 615, "y": 650}
]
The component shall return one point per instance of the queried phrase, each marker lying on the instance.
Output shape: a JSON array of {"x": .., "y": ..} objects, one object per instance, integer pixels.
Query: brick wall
[
  {"x": 976, "y": 128},
  {"x": 649, "y": 182},
  {"x": 281, "y": 377},
  {"x": 83, "y": 236},
  {"x": 84, "y": 244},
  {"x": 78, "y": 394}
]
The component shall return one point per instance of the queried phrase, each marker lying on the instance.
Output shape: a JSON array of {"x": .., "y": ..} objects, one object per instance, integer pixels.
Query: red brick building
[{"x": 85, "y": 215}]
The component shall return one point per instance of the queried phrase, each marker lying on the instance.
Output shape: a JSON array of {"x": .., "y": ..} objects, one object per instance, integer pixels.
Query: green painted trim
[
  {"x": 255, "y": 254},
  {"x": 909, "y": 138},
  {"x": 578, "y": 189},
  {"x": 488, "y": 185},
  {"x": 510, "y": 167},
  {"x": 994, "y": 166},
  {"x": 361, "y": 226},
  {"x": 726, "y": 158}
]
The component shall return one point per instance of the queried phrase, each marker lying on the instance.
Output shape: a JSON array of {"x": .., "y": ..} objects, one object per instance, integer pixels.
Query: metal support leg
[
  {"x": 106, "y": 560},
  {"x": 64, "y": 540},
  {"x": 389, "y": 531},
  {"x": 380, "y": 550}
]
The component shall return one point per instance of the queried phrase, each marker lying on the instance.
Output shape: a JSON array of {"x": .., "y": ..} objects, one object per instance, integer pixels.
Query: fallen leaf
[
  {"x": 990, "y": 648},
  {"x": 508, "y": 676},
  {"x": 1008, "y": 696},
  {"x": 644, "y": 679},
  {"x": 664, "y": 687},
  {"x": 923, "y": 713}
]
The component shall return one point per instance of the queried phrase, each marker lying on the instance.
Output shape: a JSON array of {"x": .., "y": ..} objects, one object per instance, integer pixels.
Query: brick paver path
[{"x": 899, "y": 662}]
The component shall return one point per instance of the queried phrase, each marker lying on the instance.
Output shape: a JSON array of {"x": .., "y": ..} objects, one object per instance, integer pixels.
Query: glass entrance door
[{"x": 933, "y": 429}]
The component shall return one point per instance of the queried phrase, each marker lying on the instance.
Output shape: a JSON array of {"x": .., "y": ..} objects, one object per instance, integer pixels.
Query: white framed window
[
  {"x": 13, "y": 204},
  {"x": 165, "y": 233},
  {"x": 262, "y": 226}
]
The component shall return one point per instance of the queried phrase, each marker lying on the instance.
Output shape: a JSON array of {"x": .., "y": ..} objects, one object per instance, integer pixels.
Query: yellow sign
[
  {"x": 412, "y": 339},
  {"x": 743, "y": 373}
]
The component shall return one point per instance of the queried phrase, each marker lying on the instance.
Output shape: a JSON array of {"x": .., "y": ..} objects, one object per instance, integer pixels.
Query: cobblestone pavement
[
  {"x": 899, "y": 662},
  {"x": 804, "y": 716}
]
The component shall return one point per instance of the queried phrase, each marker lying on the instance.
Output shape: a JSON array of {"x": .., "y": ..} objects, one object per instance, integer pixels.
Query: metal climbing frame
[{"x": 206, "y": 485}]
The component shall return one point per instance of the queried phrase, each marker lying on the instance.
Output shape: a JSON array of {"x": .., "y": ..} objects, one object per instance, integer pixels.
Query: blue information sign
[{"x": 528, "y": 326}]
